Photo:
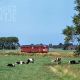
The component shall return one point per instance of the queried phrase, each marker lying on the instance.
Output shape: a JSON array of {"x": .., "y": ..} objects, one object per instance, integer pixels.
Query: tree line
[
  {"x": 9, "y": 43},
  {"x": 72, "y": 33}
]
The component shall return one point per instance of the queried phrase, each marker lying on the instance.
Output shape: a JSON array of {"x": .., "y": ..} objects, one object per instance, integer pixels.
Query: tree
[
  {"x": 68, "y": 32},
  {"x": 9, "y": 43},
  {"x": 73, "y": 32},
  {"x": 60, "y": 45}
]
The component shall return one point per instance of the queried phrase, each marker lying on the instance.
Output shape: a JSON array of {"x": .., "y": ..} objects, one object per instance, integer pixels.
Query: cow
[
  {"x": 72, "y": 62},
  {"x": 57, "y": 60},
  {"x": 20, "y": 62},
  {"x": 78, "y": 61},
  {"x": 30, "y": 60},
  {"x": 11, "y": 65}
]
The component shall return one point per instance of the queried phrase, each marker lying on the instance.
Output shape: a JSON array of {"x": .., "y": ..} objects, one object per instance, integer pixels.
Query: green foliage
[
  {"x": 9, "y": 39},
  {"x": 77, "y": 52},
  {"x": 73, "y": 33},
  {"x": 68, "y": 32},
  {"x": 9, "y": 42},
  {"x": 76, "y": 20}
]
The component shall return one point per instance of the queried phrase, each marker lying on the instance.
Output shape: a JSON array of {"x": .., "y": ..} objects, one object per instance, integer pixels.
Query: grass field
[{"x": 42, "y": 69}]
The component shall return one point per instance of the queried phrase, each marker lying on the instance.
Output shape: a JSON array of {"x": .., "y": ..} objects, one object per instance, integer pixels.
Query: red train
[{"x": 34, "y": 48}]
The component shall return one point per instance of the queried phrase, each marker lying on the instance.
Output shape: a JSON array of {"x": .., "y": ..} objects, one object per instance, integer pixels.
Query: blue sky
[{"x": 36, "y": 21}]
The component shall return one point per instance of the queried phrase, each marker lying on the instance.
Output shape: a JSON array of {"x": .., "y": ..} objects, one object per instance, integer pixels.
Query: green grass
[
  {"x": 62, "y": 51},
  {"x": 40, "y": 70},
  {"x": 36, "y": 71}
]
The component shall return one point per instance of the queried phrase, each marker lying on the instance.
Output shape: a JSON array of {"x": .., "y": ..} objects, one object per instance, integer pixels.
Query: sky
[{"x": 36, "y": 21}]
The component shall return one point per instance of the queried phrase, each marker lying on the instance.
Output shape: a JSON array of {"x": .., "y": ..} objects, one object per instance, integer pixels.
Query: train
[{"x": 35, "y": 48}]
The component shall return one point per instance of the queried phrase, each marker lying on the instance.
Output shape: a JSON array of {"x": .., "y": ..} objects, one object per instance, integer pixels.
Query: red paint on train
[{"x": 34, "y": 48}]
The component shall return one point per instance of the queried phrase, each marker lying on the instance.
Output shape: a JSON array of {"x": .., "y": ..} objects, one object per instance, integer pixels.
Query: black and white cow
[
  {"x": 30, "y": 60},
  {"x": 72, "y": 62},
  {"x": 20, "y": 62},
  {"x": 78, "y": 61},
  {"x": 11, "y": 65},
  {"x": 57, "y": 60}
]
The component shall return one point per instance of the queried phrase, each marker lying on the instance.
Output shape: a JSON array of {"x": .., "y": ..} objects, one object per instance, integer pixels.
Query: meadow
[{"x": 41, "y": 69}]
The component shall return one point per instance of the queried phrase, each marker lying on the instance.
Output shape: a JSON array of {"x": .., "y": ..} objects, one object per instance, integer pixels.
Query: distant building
[{"x": 71, "y": 47}]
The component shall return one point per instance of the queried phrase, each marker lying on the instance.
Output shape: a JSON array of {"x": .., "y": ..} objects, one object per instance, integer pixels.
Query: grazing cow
[
  {"x": 23, "y": 62},
  {"x": 20, "y": 62},
  {"x": 72, "y": 62},
  {"x": 78, "y": 61},
  {"x": 30, "y": 60},
  {"x": 17, "y": 62},
  {"x": 57, "y": 60},
  {"x": 11, "y": 65}
]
